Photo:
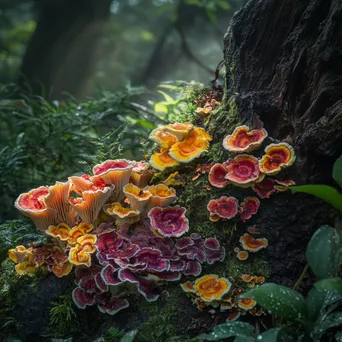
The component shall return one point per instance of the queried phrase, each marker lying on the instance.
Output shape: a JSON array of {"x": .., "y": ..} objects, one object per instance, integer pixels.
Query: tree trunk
[
  {"x": 283, "y": 65},
  {"x": 63, "y": 49}
]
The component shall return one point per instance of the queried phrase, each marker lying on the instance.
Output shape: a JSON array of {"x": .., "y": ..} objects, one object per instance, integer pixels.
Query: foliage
[
  {"x": 43, "y": 141},
  {"x": 326, "y": 192},
  {"x": 62, "y": 317}
]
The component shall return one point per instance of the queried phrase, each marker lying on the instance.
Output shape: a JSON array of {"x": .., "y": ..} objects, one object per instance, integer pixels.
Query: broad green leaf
[
  {"x": 332, "y": 321},
  {"x": 280, "y": 300},
  {"x": 269, "y": 335},
  {"x": 322, "y": 251},
  {"x": 337, "y": 171},
  {"x": 315, "y": 301},
  {"x": 160, "y": 107},
  {"x": 167, "y": 97},
  {"x": 325, "y": 192},
  {"x": 244, "y": 339},
  {"x": 281, "y": 334},
  {"x": 226, "y": 330},
  {"x": 329, "y": 285},
  {"x": 129, "y": 337}
]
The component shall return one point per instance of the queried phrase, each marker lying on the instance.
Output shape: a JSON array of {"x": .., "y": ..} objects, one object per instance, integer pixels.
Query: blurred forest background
[{"x": 78, "y": 80}]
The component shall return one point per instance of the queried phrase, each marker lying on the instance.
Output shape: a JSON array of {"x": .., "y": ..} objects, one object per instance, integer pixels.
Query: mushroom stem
[{"x": 301, "y": 277}]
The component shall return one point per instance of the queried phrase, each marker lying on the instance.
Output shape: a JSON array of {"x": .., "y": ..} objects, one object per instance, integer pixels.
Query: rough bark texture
[{"x": 283, "y": 65}]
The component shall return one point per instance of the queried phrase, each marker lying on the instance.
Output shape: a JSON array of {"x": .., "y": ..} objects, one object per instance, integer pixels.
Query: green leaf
[
  {"x": 226, "y": 330},
  {"x": 337, "y": 171},
  {"x": 322, "y": 250},
  {"x": 332, "y": 321},
  {"x": 281, "y": 334},
  {"x": 315, "y": 301},
  {"x": 160, "y": 107},
  {"x": 269, "y": 335},
  {"x": 325, "y": 192},
  {"x": 129, "y": 337},
  {"x": 280, "y": 300},
  {"x": 167, "y": 97},
  {"x": 330, "y": 285}
]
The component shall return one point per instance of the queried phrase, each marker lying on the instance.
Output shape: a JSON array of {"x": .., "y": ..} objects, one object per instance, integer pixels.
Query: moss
[
  {"x": 112, "y": 335},
  {"x": 165, "y": 322}
]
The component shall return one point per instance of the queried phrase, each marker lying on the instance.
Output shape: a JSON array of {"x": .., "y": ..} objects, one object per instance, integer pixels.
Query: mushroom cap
[
  {"x": 265, "y": 188},
  {"x": 188, "y": 286},
  {"x": 78, "y": 231},
  {"x": 137, "y": 197},
  {"x": 34, "y": 200},
  {"x": 249, "y": 207},
  {"x": 248, "y": 243},
  {"x": 180, "y": 130},
  {"x": 283, "y": 184},
  {"x": 211, "y": 287},
  {"x": 276, "y": 157},
  {"x": 214, "y": 218},
  {"x": 169, "y": 221},
  {"x": 246, "y": 303},
  {"x": 242, "y": 255},
  {"x": 247, "y": 278},
  {"x": 234, "y": 316},
  {"x": 224, "y": 207},
  {"x": 244, "y": 140},
  {"x": 163, "y": 137},
  {"x": 243, "y": 169},
  {"x": 217, "y": 176},
  {"x": 259, "y": 279},
  {"x": 116, "y": 209},
  {"x": 162, "y": 160},
  {"x": 61, "y": 270},
  {"x": 162, "y": 195},
  {"x": 141, "y": 174},
  {"x": 191, "y": 147},
  {"x": 60, "y": 231}
]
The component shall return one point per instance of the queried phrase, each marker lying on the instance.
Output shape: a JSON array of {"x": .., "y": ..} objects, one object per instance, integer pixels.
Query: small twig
[{"x": 300, "y": 279}]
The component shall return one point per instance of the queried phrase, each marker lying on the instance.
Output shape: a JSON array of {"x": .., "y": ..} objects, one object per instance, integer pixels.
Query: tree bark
[
  {"x": 283, "y": 65},
  {"x": 63, "y": 49}
]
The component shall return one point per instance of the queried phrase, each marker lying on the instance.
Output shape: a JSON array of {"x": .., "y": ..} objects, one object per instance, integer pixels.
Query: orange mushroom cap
[
  {"x": 246, "y": 303},
  {"x": 188, "y": 286},
  {"x": 20, "y": 254},
  {"x": 243, "y": 169},
  {"x": 162, "y": 195},
  {"x": 137, "y": 197},
  {"x": 283, "y": 184},
  {"x": 163, "y": 137},
  {"x": 259, "y": 279},
  {"x": 80, "y": 254},
  {"x": 276, "y": 157},
  {"x": 214, "y": 217},
  {"x": 253, "y": 245},
  {"x": 32, "y": 204},
  {"x": 249, "y": 207},
  {"x": 123, "y": 215},
  {"x": 141, "y": 174},
  {"x": 61, "y": 231},
  {"x": 162, "y": 160},
  {"x": 191, "y": 147},
  {"x": 26, "y": 268},
  {"x": 244, "y": 140},
  {"x": 211, "y": 287},
  {"x": 78, "y": 231},
  {"x": 247, "y": 278},
  {"x": 180, "y": 130},
  {"x": 242, "y": 255},
  {"x": 61, "y": 270},
  {"x": 89, "y": 206},
  {"x": 217, "y": 176}
]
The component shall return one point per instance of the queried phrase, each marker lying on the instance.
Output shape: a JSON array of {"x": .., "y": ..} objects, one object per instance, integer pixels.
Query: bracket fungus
[
  {"x": 162, "y": 160},
  {"x": 122, "y": 214},
  {"x": 141, "y": 174},
  {"x": 250, "y": 244},
  {"x": 211, "y": 287},
  {"x": 163, "y": 137},
  {"x": 81, "y": 253},
  {"x": 224, "y": 207},
  {"x": 246, "y": 303},
  {"x": 217, "y": 176},
  {"x": 243, "y": 140},
  {"x": 265, "y": 188},
  {"x": 191, "y": 147},
  {"x": 249, "y": 207},
  {"x": 180, "y": 130},
  {"x": 243, "y": 169},
  {"x": 242, "y": 255},
  {"x": 162, "y": 195},
  {"x": 137, "y": 197},
  {"x": 169, "y": 221},
  {"x": 276, "y": 157}
]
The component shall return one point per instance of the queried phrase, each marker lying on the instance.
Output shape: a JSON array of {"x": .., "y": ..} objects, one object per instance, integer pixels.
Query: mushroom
[
  {"x": 211, "y": 287},
  {"x": 244, "y": 140},
  {"x": 242, "y": 170},
  {"x": 242, "y": 255},
  {"x": 277, "y": 157},
  {"x": 162, "y": 160},
  {"x": 248, "y": 243},
  {"x": 169, "y": 221},
  {"x": 162, "y": 195},
  {"x": 141, "y": 174},
  {"x": 224, "y": 207},
  {"x": 137, "y": 197},
  {"x": 217, "y": 176},
  {"x": 122, "y": 215},
  {"x": 191, "y": 147},
  {"x": 180, "y": 130},
  {"x": 246, "y": 303},
  {"x": 265, "y": 188},
  {"x": 163, "y": 137},
  {"x": 249, "y": 207}
]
